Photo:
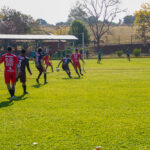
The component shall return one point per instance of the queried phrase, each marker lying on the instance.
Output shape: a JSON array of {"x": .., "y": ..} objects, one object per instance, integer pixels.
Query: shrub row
[{"x": 136, "y": 52}]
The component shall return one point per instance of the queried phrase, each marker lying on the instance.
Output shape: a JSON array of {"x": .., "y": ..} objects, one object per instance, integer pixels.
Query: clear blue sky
[{"x": 54, "y": 11}]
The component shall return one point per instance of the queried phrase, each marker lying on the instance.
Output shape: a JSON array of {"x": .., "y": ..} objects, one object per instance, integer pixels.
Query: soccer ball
[{"x": 57, "y": 69}]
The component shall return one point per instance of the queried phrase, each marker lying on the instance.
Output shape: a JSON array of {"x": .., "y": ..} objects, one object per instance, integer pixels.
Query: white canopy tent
[{"x": 37, "y": 37}]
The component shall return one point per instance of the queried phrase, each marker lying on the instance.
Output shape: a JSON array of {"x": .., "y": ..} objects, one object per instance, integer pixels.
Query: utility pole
[{"x": 83, "y": 45}]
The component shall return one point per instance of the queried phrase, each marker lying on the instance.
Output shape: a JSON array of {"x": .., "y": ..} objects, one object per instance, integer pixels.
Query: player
[
  {"x": 128, "y": 54},
  {"x": 99, "y": 57},
  {"x": 23, "y": 63},
  {"x": 65, "y": 65},
  {"x": 75, "y": 58},
  {"x": 40, "y": 65},
  {"x": 10, "y": 62},
  {"x": 47, "y": 61}
]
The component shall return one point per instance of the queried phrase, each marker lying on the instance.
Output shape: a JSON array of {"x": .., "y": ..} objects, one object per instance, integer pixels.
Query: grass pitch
[{"x": 109, "y": 106}]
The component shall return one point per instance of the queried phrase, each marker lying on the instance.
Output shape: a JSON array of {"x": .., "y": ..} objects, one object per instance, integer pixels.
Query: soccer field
[{"x": 108, "y": 107}]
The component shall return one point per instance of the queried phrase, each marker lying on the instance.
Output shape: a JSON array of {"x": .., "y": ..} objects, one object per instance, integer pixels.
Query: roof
[{"x": 36, "y": 37}]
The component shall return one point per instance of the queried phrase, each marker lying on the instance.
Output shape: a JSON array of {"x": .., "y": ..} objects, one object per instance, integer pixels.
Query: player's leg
[
  {"x": 46, "y": 67},
  {"x": 9, "y": 89},
  {"x": 45, "y": 81},
  {"x": 75, "y": 67},
  {"x": 129, "y": 58},
  {"x": 40, "y": 73},
  {"x": 13, "y": 81},
  {"x": 23, "y": 81},
  {"x": 52, "y": 68},
  {"x": 77, "y": 72},
  {"x": 7, "y": 81},
  {"x": 13, "y": 89},
  {"x": 68, "y": 72},
  {"x": 79, "y": 66}
]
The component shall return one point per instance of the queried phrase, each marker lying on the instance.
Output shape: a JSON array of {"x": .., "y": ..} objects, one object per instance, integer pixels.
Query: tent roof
[{"x": 36, "y": 37}]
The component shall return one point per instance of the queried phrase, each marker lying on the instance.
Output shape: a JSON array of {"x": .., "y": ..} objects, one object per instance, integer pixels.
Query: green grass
[{"x": 109, "y": 106}]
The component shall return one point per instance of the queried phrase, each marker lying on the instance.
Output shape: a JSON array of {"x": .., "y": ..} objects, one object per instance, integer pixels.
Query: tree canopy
[
  {"x": 77, "y": 28},
  {"x": 14, "y": 22},
  {"x": 143, "y": 22},
  {"x": 99, "y": 15},
  {"x": 129, "y": 20}
]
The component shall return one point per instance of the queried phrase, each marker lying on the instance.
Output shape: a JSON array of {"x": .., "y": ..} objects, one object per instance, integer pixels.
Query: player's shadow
[
  {"x": 20, "y": 98},
  {"x": 6, "y": 104},
  {"x": 66, "y": 78},
  {"x": 71, "y": 78},
  {"x": 38, "y": 85}
]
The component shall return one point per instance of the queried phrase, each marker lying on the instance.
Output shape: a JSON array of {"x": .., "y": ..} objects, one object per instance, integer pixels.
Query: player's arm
[
  {"x": 16, "y": 64},
  {"x": 28, "y": 66},
  {"x": 81, "y": 58},
  {"x": 71, "y": 63},
  {"x": 44, "y": 61},
  {"x": 59, "y": 64}
]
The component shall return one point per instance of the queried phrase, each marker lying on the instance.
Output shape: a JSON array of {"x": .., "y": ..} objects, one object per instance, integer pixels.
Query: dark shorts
[
  {"x": 22, "y": 78},
  {"x": 65, "y": 67}
]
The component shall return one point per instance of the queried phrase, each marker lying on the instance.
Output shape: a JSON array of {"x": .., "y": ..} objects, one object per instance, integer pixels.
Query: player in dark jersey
[
  {"x": 10, "y": 62},
  {"x": 40, "y": 65},
  {"x": 23, "y": 63},
  {"x": 65, "y": 65}
]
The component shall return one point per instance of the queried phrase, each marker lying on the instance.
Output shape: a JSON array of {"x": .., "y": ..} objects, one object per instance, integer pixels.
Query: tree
[
  {"x": 77, "y": 28},
  {"x": 42, "y": 22},
  {"x": 129, "y": 20},
  {"x": 143, "y": 22},
  {"x": 14, "y": 22},
  {"x": 77, "y": 13},
  {"x": 103, "y": 13}
]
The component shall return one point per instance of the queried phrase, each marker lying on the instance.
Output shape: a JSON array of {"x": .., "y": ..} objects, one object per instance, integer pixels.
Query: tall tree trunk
[{"x": 97, "y": 44}]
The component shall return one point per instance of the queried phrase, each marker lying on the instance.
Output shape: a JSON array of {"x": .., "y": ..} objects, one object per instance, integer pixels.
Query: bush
[
  {"x": 137, "y": 52},
  {"x": 119, "y": 53}
]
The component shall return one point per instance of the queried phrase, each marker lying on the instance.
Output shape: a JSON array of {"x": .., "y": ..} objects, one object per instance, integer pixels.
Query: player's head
[
  {"x": 9, "y": 49},
  {"x": 77, "y": 50},
  {"x": 23, "y": 51},
  {"x": 39, "y": 49}
]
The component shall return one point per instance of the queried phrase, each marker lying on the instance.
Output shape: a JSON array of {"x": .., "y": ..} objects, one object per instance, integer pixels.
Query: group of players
[{"x": 15, "y": 67}]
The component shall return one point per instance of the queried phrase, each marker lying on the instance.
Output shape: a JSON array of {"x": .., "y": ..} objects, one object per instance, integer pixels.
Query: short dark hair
[
  {"x": 77, "y": 50},
  {"x": 23, "y": 51},
  {"x": 67, "y": 55},
  {"x": 9, "y": 48},
  {"x": 39, "y": 49}
]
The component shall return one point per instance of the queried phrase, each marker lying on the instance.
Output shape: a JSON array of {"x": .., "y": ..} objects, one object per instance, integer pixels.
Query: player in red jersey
[
  {"x": 75, "y": 58},
  {"x": 10, "y": 62},
  {"x": 47, "y": 61}
]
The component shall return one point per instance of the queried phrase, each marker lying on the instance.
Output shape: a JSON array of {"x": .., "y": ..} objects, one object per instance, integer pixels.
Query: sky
[{"x": 54, "y": 11}]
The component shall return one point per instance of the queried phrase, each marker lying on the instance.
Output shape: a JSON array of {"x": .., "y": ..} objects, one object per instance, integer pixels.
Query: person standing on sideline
[
  {"x": 23, "y": 63},
  {"x": 10, "y": 62},
  {"x": 87, "y": 54},
  {"x": 40, "y": 65},
  {"x": 99, "y": 56},
  {"x": 75, "y": 58},
  {"x": 128, "y": 54}
]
